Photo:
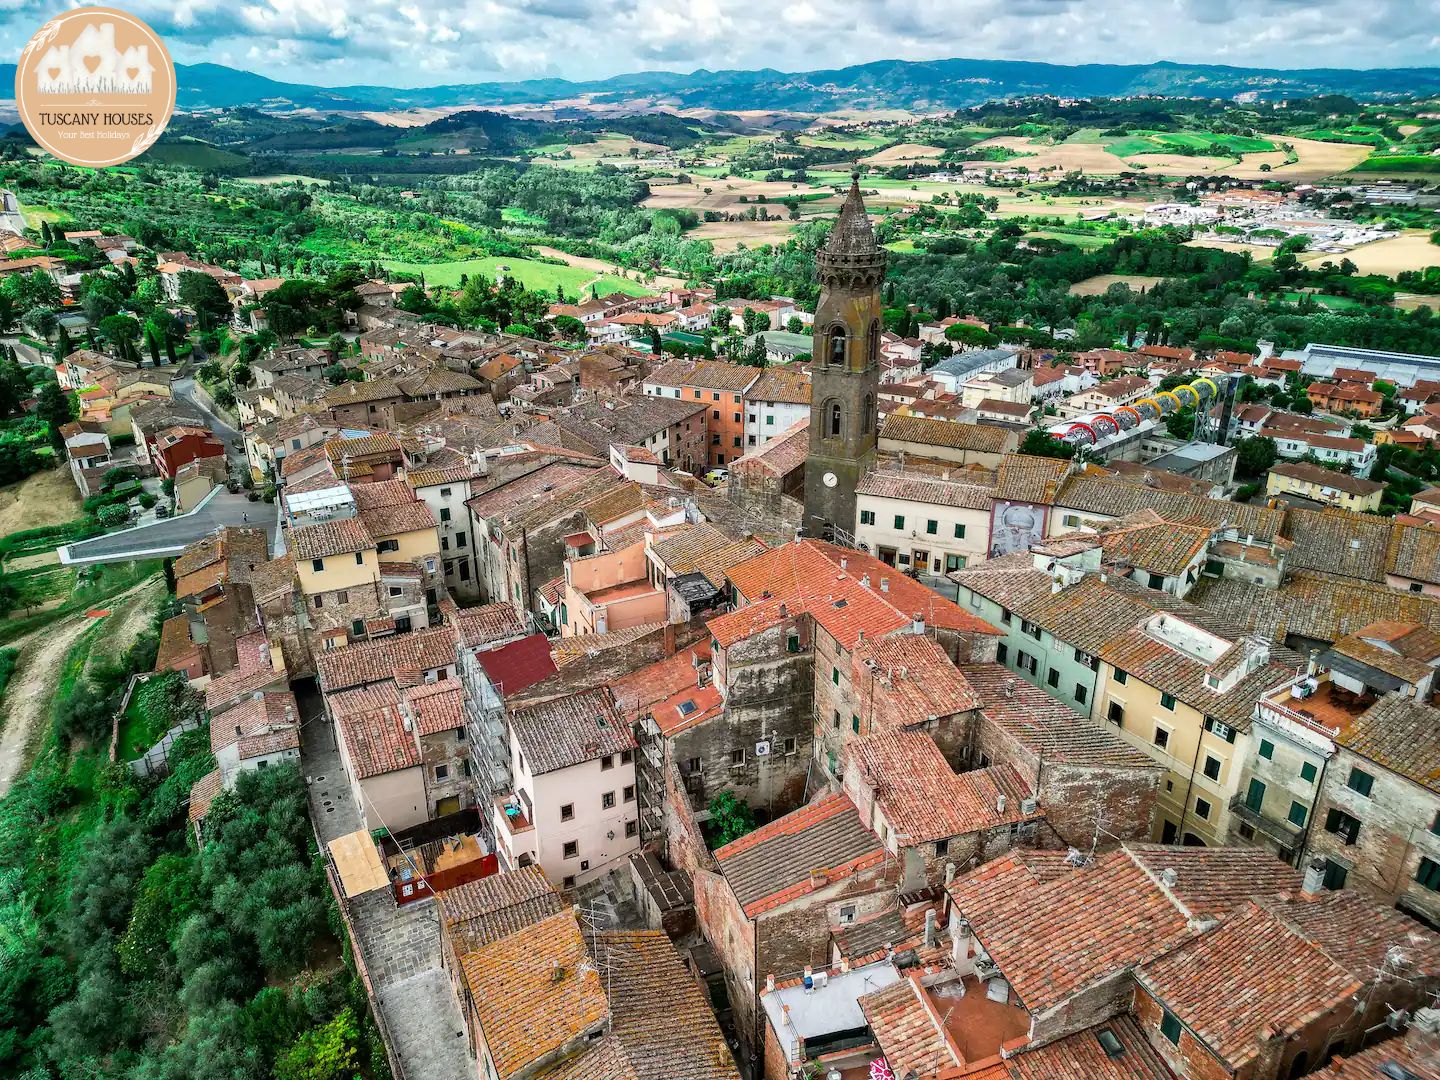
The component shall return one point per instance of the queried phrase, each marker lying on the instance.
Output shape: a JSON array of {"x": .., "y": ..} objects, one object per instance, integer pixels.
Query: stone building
[
  {"x": 1377, "y": 817},
  {"x": 845, "y": 373}
]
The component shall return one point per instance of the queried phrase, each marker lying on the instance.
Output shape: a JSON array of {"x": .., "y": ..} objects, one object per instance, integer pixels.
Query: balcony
[
  {"x": 510, "y": 812},
  {"x": 1279, "y": 834}
]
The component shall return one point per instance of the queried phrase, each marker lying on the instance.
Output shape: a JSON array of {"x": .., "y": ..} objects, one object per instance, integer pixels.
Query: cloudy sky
[{"x": 427, "y": 42}]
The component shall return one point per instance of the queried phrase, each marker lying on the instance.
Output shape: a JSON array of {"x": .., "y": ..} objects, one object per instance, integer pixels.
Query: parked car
[{"x": 716, "y": 477}]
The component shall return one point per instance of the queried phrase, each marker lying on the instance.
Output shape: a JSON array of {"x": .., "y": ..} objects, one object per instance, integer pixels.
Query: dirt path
[
  {"x": 48, "y": 497},
  {"x": 42, "y": 655},
  {"x": 600, "y": 266}
]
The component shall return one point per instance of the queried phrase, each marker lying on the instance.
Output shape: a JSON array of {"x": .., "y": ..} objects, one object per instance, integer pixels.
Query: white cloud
[{"x": 415, "y": 42}]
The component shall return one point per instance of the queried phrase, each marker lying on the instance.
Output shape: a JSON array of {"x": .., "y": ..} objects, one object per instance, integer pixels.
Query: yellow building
[
  {"x": 1184, "y": 695},
  {"x": 1319, "y": 484}
]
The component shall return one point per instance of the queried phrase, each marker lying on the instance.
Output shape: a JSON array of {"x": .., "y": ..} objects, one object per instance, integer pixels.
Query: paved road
[
  {"x": 401, "y": 946},
  {"x": 184, "y": 390},
  {"x": 161, "y": 539}
]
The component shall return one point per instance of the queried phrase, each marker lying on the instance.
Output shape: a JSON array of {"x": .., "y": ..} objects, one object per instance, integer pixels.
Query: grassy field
[
  {"x": 194, "y": 154},
  {"x": 1200, "y": 142},
  {"x": 1355, "y": 133},
  {"x": 1400, "y": 164},
  {"x": 1085, "y": 241},
  {"x": 1334, "y": 303},
  {"x": 513, "y": 215},
  {"x": 533, "y": 275}
]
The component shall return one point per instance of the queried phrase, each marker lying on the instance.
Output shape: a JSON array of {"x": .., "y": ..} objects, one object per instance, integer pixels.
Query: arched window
[
  {"x": 873, "y": 346},
  {"x": 833, "y": 420},
  {"x": 837, "y": 344},
  {"x": 868, "y": 419}
]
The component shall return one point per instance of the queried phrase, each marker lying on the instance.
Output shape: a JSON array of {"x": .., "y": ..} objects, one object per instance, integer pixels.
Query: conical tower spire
[{"x": 852, "y": 234}]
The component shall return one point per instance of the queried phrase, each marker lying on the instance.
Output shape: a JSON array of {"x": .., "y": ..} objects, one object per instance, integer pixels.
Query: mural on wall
[{"x": 1014, "y": 526}]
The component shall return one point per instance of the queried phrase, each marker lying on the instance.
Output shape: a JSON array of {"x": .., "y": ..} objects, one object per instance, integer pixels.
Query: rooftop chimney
[
  {"x": 769, "y": 983},
  {"x": 917, "y": 624},
  {"x": 884, "y": 584},
  {"x": 1000, "y": 804},
  {"x": 1168, "y": 877},
  {"x": 930, "y": 926},
  {"x": 1314, "y": 881}
]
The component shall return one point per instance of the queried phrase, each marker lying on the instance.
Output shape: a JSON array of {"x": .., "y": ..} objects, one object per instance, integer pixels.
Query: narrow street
[{"x": 401, "y": 945}]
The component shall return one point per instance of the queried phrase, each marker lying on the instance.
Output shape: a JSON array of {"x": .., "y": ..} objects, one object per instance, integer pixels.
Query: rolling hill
[{"x": 938, "y": 84}]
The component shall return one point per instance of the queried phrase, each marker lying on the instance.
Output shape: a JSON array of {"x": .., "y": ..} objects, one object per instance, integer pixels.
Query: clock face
[{"x": 831, "y": 479}]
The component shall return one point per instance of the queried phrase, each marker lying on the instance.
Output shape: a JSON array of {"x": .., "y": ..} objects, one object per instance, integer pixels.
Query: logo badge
[{"x": 95, "y": 86}]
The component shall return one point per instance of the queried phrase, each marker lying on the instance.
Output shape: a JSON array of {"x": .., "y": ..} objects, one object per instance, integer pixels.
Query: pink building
[{"x": 610, "y": 591}]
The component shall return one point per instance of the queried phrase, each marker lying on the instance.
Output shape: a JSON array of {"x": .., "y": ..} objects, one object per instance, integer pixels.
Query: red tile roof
[
  {"x": 830, "y": 583},
  {"x": 798, "y": 853},
  {"x": 923, "y": 799},
  {"x": 570, "y": 730},
  {"x": 1251, "y": 975},
  {"x": 518, "y": 665}
]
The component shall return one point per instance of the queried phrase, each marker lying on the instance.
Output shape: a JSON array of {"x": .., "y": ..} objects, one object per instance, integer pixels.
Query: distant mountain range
[{"x": 935, "y": 84}]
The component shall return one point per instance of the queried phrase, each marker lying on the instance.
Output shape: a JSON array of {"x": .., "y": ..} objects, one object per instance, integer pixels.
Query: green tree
[
  {"x": 730, "y": 819},
  {"x": 1255, "y": 455},
  {"x": 1040, "y": 443},
  {"x": 330, "y": 1052},
  {"x": 206, "y": 297}
]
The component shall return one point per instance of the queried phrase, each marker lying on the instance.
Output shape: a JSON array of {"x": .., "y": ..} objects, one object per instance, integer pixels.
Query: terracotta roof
[
  {"x": 1046, "y": 726},
  {"x": 907, "y": 1031},
  {"x": 570, "y": 730},
  {"x": 919, "y": 430},
  {"x": 567, "y": 650},
  {"x": 910, "y": 680},
  {"x": 534, "y": 991},
  {"x": 658, "y": 1012},
  {"x": 1390, "y": 661},
  {"x": 397, "y": 518},
  {"x": 202, "y": 794},
  {"x": 1414, "y": 553},
  {"x": 1148, "y": 542},
  {"x": 1094, "y": 920},
  {"x": 375, "y": 739},
  {"x": 781, "y": 384},
  {"x": 926, "y": 489},
  {"x": 272, "y": 713},
  {"x": 1251, "y": 975},
  {"x": 923, "y": 799},
  {"x": 720, "y": 375},
  {"x": 1117, "y": 496},
  {"x": 494, "y": 907},
  {"x": 1165, "y": 667},
  {"x": 1081, "y": 1056},
  {"x": 1309, "y": 473},
  {"x": 438, "y": 706},
  {"x": 705, "y": 549},
  {"x": 1399, "y": 733},
  {"x": 1338, "y": 542},
  {"x": 325, "y": 538},
  {"x": 603, "y": 1060},
  {"x": 374, "y": 661},
  {"x": 807, "y": 575},
  {"x": 485, "y": 624},
  {"x": 1417, "y": 1050},
  {"x": 1211, "y": 882},
  {"x": 1313, "y": 605},
  {"x": 362, "y": 393},
  {"x": 778, "y": 862},
  {"x": 781, "y": 456}
]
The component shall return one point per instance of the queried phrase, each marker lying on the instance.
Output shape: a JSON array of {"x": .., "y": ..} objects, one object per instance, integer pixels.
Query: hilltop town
[{"x": 671, "y": 677}]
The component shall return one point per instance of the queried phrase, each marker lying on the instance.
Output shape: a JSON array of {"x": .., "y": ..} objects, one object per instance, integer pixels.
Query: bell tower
[{"x": 845, "y": 372}]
